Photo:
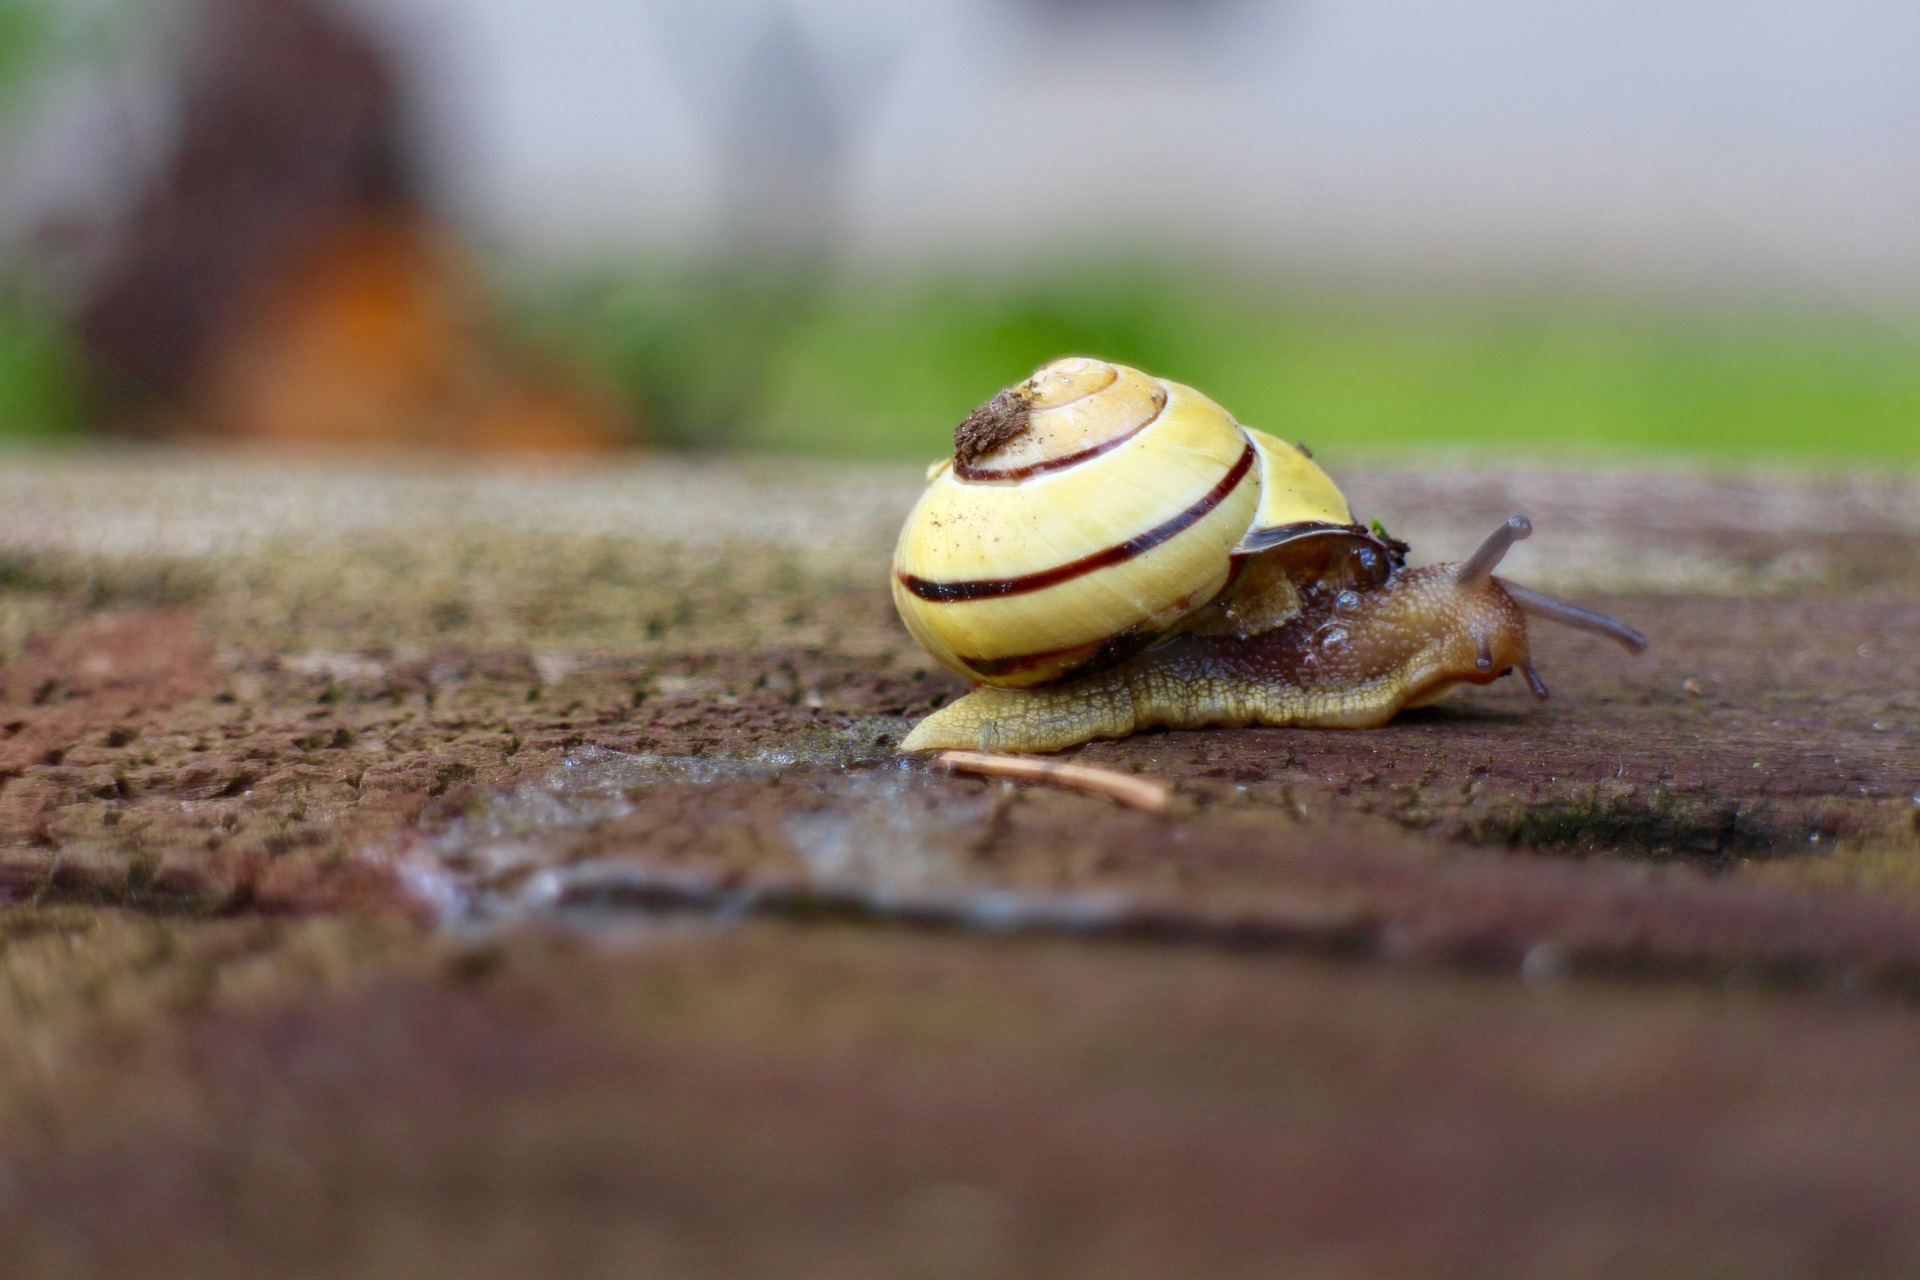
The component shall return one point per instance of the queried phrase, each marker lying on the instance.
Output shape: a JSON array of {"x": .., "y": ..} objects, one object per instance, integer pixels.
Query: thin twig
[{"x": 1149, "y": 794}]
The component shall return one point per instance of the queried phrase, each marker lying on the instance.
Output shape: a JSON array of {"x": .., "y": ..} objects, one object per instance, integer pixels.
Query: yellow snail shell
[{"x": 1086, "y": 512}]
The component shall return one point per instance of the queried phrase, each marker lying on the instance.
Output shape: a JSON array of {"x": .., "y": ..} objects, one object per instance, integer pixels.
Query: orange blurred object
[
  {"x": 281, "y": 280},
  {"x": 376, "y": 334}
]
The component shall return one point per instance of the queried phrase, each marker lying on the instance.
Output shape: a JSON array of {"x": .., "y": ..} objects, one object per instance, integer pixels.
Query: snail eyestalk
[
  {"x": 1478, "y": 567},
  {"x": 1572, "y": 615}
]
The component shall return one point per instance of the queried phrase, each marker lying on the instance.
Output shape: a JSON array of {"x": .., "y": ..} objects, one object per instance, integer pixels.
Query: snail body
[{"x": 1108, "y": 552}]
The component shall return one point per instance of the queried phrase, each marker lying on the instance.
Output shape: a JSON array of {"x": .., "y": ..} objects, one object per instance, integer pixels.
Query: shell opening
[{"x": 1477, "y": 568}]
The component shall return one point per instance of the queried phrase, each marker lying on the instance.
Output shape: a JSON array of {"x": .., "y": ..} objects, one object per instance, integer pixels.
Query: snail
[{"x": 1108, "y": 552}]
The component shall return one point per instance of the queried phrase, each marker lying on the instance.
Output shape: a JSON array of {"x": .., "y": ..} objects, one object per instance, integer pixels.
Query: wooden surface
[{"x": 413, "y": 871}]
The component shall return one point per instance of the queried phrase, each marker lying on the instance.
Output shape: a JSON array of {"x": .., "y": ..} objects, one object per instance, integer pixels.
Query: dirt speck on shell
[{"x": 1002, "y": 419}]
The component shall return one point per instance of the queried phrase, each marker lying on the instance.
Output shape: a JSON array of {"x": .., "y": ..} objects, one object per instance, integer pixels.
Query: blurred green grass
[
  {"x": 26, "y": 28},
  {"x": 884, "y": 370},
  {"x": 40, "y": 396}
]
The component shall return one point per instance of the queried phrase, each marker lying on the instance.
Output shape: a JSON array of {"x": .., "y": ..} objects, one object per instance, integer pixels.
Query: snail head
[{"x": 1457, "y": 623}]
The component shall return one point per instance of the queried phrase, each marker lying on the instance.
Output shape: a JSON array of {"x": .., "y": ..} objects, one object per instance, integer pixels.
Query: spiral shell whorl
[
  {"x": 1069, "y": 412},
  {"x": 1087, "y": 512}
]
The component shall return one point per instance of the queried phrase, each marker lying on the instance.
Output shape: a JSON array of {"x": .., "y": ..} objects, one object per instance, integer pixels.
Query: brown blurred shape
[{"x": 281, "y": 279}]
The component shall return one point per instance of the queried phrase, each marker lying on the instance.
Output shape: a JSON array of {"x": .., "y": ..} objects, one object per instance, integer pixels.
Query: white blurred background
[{"x": 1771, "y": 144}]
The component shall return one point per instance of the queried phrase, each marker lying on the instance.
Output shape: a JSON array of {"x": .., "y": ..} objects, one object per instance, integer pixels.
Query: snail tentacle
[
  {"x": 1540, "y": 605},
  {"x": 1535, "y": 684},
  {"x": 1478, "y": 567}
]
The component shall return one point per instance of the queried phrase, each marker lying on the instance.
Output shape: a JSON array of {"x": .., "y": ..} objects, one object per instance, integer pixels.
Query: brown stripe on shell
[
  {"x": 1120, "y": 553},
  {"x": 966, "y": 471},
  {"x": 1112, "y": 651}
]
